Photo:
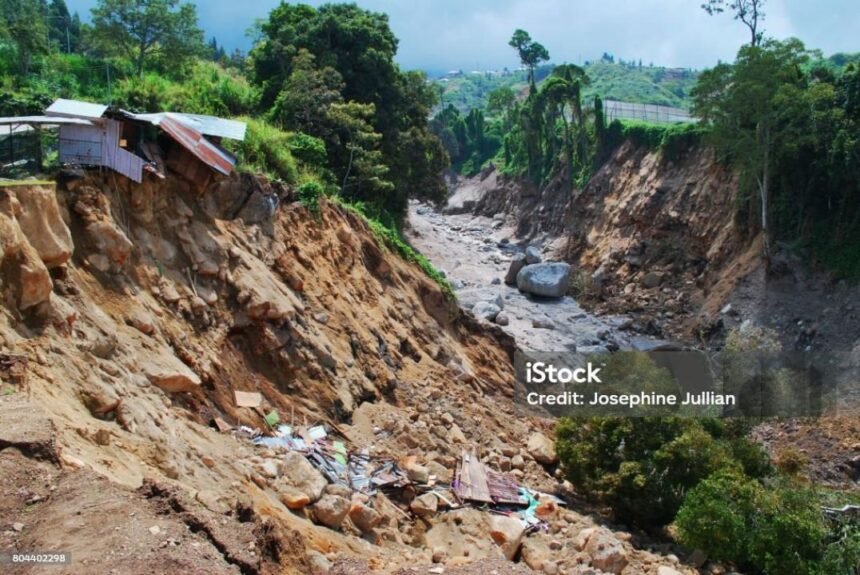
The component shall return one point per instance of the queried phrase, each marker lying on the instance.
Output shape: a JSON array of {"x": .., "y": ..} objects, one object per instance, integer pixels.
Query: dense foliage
[
  {"x": 330, "y": 72},
  {"x": 771, "y": 529},
  {"x": 611, "y": 79},
  {"x": 643, "y": 467},
  {"x": 791, "y": 127}
]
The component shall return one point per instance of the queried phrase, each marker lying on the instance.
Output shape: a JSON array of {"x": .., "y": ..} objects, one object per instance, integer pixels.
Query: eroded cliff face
[
  {"x": 651, "y": 236},
  {"x": 657, "y": 237}
]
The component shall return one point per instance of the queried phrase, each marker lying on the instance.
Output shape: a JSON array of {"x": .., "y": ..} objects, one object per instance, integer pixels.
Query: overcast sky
[{"x": 470, "y": 34}]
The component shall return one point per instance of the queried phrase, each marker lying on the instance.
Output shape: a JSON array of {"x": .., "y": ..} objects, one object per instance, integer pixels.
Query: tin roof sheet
[
  {"x": 76, "y": 109},
  {"x": 44, "y": 120},
  {"x": 206, "y": 125}
]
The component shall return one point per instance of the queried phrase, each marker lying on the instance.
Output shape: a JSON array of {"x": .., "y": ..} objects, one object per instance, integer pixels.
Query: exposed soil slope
[{"x": 131, "y": 314}]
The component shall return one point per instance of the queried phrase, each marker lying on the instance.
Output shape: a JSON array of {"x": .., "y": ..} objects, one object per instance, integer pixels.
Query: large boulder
[
  {"x": 546, "y": 280},
  {"x": 508, "y": 533},
  {"x": 606, "y": 551},
  {"x": 43, "y": 225},
  {"x": 164, "y": 370},
  {"x": 24, "y": 274},
  {"x": 297, "y": 472},
  {"x": 34, "y": 281},
  {"x": 517, "y": 263},
  {"x": 542, "y": 449}
]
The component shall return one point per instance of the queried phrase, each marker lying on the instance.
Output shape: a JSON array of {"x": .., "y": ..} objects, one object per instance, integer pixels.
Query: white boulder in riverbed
[{"x": 546, "y": 280}]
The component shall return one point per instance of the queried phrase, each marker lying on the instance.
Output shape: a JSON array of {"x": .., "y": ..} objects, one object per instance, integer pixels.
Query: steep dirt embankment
[
  {"x": 536, "y": 212},
  {"x": 659, "y": 239},
  {"x": 130, "y": 315}
]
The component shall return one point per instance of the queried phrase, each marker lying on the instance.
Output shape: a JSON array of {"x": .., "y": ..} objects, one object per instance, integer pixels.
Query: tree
[
  {"x": 742, "y": 104},
  {"x": 144, "y": 30},
  {"x": 303, "y": 103},
  {"x": 25, "y": 26},
  {"x": 747, "y": 11},
  {"x": 531, "y": 53},
  {"x": 64, "y": 30},
  {"x": 359, "y": 46}
]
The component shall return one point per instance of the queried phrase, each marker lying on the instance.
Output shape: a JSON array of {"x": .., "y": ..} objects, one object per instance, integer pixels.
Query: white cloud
[{"x": 445, "y": 34}]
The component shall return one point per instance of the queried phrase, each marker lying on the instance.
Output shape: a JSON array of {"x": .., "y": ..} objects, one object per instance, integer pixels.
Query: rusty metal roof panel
[
  {"x": 194, "y": 142},
  {"x": 76, "y": 109}
]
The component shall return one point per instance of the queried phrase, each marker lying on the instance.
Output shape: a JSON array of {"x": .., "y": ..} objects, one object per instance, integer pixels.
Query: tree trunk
[{"x": 764, "y": 191}]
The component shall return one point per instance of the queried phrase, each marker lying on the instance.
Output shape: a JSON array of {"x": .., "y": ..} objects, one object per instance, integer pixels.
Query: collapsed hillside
[{"x": 132, "y": 314}]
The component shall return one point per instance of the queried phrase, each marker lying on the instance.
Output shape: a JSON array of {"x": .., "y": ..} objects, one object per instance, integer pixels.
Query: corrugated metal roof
[
  {"x": 76, "y": 109},
  {"x": 207, "y": 125},
  {"x": 194, "y": 142},
  {"x": 47, "y": 120}
]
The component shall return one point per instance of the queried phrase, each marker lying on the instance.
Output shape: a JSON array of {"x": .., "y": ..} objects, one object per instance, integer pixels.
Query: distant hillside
[
  {"x": 626, "y": 82},
  {"x": 640, "y": 84},
  {"x": 467, "y": 90}
]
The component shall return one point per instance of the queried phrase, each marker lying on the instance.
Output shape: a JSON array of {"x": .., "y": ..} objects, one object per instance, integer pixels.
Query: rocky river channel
[{"x": 475, "y": 253}]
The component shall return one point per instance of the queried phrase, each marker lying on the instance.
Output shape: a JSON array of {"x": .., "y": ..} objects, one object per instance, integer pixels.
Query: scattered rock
[
  {"x": 486, "y": 310},
  {"x": 533, "y": 255},
  {"x": 652, "y": 280},
  {"x": 296, "y": 471},
  {"x": 606, "y": 551},
  {"x": 517, "y": 263},
  {"x": 543, "y": 323},
  {"x": 364, "y": 517},
  {"x": 542, "y": 449},
  {"x": 294, "y": 499},
  {"x": 331, "y": 510},
  {"x": 502, "y": 318},
  {"x": 424, "y": 505},
  {"x": 418, "y": 473},
  {"x": 507, "y": 532}
]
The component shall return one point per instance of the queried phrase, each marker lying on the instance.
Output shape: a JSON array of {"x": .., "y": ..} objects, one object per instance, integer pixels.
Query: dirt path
[{"x": 475, "y": 252}]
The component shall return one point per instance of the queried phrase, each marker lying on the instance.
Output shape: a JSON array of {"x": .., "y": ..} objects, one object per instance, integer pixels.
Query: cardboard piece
[{"x": 247, "y": 398}]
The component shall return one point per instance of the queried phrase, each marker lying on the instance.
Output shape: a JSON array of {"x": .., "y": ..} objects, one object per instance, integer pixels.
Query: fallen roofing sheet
[
  {"x": 76, "y": 109},
  {"x": 206, "y": 125},
  {"x": 194, "y": 142},
  {"x": 475, "y": 482}
]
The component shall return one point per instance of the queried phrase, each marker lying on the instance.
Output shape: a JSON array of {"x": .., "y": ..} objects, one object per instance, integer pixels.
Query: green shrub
[
  {"x": 209, "y": 89},
  {"x": 672, "y": 140},
  {"x": 643, "y": 467},
  {"x": 308, "y": 149},
  {"x": 266, "y": 150},
  {"x": 775, "y": 530},
  {"x": 309, "y": 195}
]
